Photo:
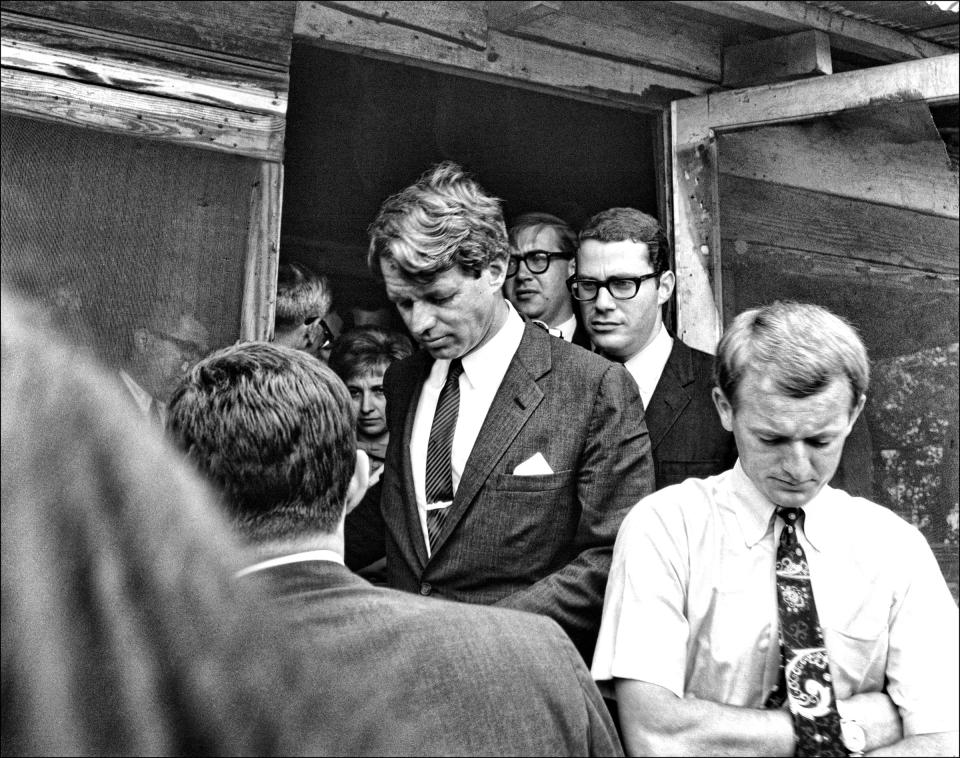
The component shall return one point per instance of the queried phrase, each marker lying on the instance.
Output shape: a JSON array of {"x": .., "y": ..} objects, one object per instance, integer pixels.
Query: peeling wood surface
[
  {"x": 463, "y": 23},
  {"x": 263, "y": 255},
  {"x": 252, "y": 30},
  {"x": 50, "y": 98},
  {"x": 506, "y": 59}
]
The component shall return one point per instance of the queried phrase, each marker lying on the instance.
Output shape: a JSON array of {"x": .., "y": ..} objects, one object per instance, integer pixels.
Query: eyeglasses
[
  {"x": 328, "y": 335},
  {"x": 619, "y": 287},
  {"x": 188, "y": 349},
  {"x": 536, "y": 261}
]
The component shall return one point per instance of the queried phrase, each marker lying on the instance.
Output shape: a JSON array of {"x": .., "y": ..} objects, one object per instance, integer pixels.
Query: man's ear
[
  {"x": 668, "y": 281},
  {"x": 498, "y": 272},
  {"x": 856, "y": 412},
  {"x": 572, "y": 266},
  {"x": 724, "y": 409},
  {"x": 358, "y": 482}
]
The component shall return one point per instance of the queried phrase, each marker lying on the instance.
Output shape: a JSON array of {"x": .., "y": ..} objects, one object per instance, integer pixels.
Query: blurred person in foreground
[
  {"x": 274, "y": 429},
  {"x": 763, "y": 612},
  {"x": 124, "y": 631},
  {"x": 360, "y": 357}
]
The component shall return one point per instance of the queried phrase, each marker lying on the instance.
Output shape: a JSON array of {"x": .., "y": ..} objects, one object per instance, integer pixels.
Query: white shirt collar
[
  {"x": 567, "y": 328},
  {"x": 308, "y": 555},
  {"x": 487, "y": 365},
  {"x": 647, "y": 365}
]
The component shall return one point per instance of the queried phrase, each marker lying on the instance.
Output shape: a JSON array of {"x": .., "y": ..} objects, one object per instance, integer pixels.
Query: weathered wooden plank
[
  {"x": 252, "y": 82},
  {"x": 779, "y": 59},
  {"x": 463, "y": 22},
  {"x": 861, "y": 37},
  {"x": 507, "y": 15},
  {"x": 263, "y": 255},
  {"x": 897, "y": 310},
  {"x": 506, "y": 59},
  {"x": 772, "y": 214},
  {"x": 136, "y": 77},
  {"x": 260, "y": 31},
  {"x": 931, "y": 80},
  {"x": 50, "y": 98},
  {"x": 648, "y": 39},
  {"x": 845, "y": 155}
]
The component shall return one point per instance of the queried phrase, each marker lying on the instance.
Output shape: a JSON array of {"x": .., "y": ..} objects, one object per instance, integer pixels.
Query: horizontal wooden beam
[
  {"x": 852, "y": 35},
  {"x": 136, "y": 114},
  {"x": 801, "y": 219},
  {"x": 932, "y": 80},
  {"x": 506, "y": 59},
  {"x": 463, "y": 22},
  {"x": 643, "y": 36},
  {"x": 506, "y": 15},
  {"x": 137, "y": 77},
  {"x": 779, "y": 59}
]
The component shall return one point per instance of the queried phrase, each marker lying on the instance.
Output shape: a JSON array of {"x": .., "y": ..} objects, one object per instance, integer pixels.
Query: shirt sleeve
[
  {"x": 643, "y": 632},
  {"x": 922, "y": 666}
]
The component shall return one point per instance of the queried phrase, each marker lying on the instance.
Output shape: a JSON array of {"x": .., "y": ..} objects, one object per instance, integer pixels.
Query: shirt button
[{"x": 426, "y": 588}]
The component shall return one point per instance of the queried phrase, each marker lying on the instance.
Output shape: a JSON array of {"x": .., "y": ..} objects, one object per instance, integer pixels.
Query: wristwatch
[{"x": 854, "y": 738}]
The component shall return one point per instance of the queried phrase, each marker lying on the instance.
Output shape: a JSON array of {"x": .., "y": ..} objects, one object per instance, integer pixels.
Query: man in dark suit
[
  {"x": 513, "y": 456},
  {"x": 274, "y": 428},
  {"x": 622, "y": 280},
  {"x": 541, "y": 259}
]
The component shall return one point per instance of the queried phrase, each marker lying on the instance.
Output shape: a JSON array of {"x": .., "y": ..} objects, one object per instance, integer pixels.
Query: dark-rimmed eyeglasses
[
  {"x": 619, "y": 287},
  {"x": 328, "y": 335},
  {"x": 536, "y": 261}
]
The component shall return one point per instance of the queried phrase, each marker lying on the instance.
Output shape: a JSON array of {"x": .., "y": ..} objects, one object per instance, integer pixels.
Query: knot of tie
[
  {"x": 455, "y": 369},
  {"x": 792, "y": 517}
]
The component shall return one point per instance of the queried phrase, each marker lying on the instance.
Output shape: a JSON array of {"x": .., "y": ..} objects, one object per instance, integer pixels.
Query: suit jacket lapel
[
  {"x": 515, "y": 401},
  {"x": 671, "y": 395}
]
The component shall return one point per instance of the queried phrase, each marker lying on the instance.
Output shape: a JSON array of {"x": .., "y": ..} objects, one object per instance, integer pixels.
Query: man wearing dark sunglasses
[
  {"x": 542, "y": 247},
  {"x": 622, "y": 281}
]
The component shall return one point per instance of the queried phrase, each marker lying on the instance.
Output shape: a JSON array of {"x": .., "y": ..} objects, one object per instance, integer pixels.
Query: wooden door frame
[{"x": 695, "y": 124}]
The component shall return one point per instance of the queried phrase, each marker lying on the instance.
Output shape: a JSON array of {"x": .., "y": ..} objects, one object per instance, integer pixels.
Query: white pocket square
[{"x": 536, "y": 465}]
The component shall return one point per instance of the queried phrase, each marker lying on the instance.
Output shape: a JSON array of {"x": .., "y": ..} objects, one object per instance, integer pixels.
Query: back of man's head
[
  {"x": 619, "y": 224},
  {"x": 274, "y": 428},
  {"x": 801, "y": 347},
  {"x": 443, "y": 220}
]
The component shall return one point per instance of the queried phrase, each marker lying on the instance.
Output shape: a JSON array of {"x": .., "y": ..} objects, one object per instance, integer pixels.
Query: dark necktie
[
  {"x": 805, "y": 678},
  {"x": 439, "y": 475}
]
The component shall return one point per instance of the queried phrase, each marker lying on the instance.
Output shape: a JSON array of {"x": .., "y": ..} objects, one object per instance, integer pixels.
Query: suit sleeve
[
  {"x": 364, "y": 531},
  {"x": 615, "y": 471}
]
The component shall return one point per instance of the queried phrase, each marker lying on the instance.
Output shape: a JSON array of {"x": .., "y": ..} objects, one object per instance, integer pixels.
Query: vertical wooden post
[{"x": 263, "y": 253}]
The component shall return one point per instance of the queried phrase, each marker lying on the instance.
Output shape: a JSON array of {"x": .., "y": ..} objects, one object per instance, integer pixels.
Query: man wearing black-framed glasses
[
  {"x": 622, "y": 280},
  {"x": 305, "y": 318},
  {"x": 542, "y": 247}
]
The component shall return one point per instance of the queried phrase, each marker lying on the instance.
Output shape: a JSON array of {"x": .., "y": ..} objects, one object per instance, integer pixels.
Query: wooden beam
[
  {"x": 248, "y": 29},
  {"x": 932, "y": 80},
  {"x": 779, "y": 59},
  {"x": 649, "y": 38},
  {"x": 209, "y": 127},
  {"x": 849, "y": 34},
  {"x": 263, "y": 255},
  {"x": 506, "y": 59},
  {"x": 512, "y": 14},
  {"x": 463, "y": 23},
  {"x": 137, "y": 77},
  {"x": 801, "y": 219},
  {"x": 821, "y": 156}
]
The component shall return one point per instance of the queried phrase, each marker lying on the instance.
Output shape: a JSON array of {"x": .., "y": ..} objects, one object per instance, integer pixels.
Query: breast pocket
[
  {"x": 856, "y": 632},
  {"x": 537, "y": 483}
]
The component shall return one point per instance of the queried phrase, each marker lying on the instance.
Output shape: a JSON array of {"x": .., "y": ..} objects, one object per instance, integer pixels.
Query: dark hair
[
  {"x": 443, "y": 220},
  {"x": 124, "y": 631},
  {"x": 540, "y": 221},
  {"x": 801, "y": 347},
  {"x": 365, "y": 349},
  {"x": 619, "y": 224},
  {"x": 273, "y": 427}
]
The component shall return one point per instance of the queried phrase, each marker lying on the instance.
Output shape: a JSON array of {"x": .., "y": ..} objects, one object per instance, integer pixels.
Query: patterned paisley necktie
[
  {"x": 805, "y": 678},
  {"x": 439, "y": 475}
]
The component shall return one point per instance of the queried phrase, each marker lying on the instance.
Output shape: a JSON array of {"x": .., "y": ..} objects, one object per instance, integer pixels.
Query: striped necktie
[{"x": 439, "y": 475}]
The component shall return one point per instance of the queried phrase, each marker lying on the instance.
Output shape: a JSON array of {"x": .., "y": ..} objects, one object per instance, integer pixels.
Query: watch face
[{"x": 853, "y": 736}]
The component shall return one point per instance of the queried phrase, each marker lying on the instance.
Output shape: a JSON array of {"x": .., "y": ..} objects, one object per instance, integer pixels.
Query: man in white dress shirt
[
  {"x": 622, "y": 281},
  {"x": 692, "y": 636}
]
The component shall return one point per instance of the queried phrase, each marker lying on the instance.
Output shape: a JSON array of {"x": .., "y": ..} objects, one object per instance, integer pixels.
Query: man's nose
[
  {"x": 366, "y": 403},
  {"x": 523, "y": 273},
  {"x": 421, "y": 318},
  {"x": 796, "y": 461},
  {"x": 605, "y": 301}
]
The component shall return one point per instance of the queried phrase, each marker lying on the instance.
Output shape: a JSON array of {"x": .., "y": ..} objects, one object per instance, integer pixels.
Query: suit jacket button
[{"x": 426, "y": 588}]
